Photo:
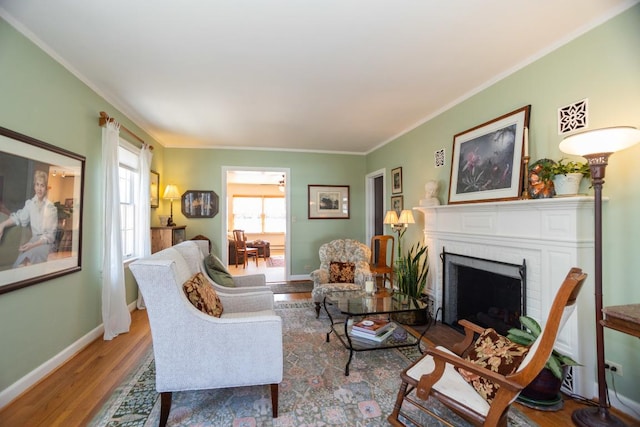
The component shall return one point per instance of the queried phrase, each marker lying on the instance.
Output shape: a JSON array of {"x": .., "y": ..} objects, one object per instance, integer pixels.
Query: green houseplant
[
  {"x": 411, "y": 271},
  {"x": 546, "y": 386},
  {"x": 527, "y": 337}
]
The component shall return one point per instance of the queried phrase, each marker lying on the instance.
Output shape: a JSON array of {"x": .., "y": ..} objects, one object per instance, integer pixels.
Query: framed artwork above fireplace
[{"x": 487, "y": 159}]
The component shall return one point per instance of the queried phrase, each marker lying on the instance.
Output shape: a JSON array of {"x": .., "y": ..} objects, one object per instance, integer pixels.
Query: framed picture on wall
[
  {"x": 397, "y": 204},
  {"x": 396, "y": 181},
  {"x": 487, "y": 160},
  {"x": 328, "y": 201},
  {"x": 154, "y": 189},
  {"x": 199, "y": 204},
  {"x": 41, "y": 196}
]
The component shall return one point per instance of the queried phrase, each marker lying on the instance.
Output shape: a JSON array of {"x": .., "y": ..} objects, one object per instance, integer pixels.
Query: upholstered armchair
[
  {"x": 350, "y": 260},
  {"x": 193, "y": 348}
]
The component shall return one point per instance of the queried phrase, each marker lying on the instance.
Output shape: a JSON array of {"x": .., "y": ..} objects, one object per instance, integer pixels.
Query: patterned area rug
[{"x": 314, "y": 391}]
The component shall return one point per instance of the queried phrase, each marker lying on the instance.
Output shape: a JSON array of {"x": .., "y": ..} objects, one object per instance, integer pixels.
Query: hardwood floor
[{"x": 75, "y": 392}]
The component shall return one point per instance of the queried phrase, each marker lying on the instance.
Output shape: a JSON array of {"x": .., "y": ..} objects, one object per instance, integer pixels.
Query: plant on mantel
[{"x": 549, "y": 169}]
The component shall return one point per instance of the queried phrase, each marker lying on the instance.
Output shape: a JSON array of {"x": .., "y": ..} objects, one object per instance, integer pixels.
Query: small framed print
[
  {"x": 154, "y": 189},
  {"x": 396, "y": 181},
  {"x": 328, "y": 201},
  {"x": 397, "y": 204},
  {"x": 199, "y": 204}
]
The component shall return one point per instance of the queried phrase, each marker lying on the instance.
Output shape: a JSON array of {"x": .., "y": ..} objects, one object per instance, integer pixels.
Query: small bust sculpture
[{"x": 430, "y": 194}]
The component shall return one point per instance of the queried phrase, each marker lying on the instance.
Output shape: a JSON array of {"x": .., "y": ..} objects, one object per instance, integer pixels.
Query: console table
[{"x": 623, "y": 318}]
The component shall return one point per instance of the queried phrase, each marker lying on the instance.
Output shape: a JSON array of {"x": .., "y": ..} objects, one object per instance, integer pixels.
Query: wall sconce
[
  {"x": 171, "y": 193},
  {"x": 399, "y": 225},
  {"x": 596, "y": 146}
]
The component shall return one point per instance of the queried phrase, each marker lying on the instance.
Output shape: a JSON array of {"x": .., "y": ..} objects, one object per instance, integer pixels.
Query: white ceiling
[{"x": 319, "y": 75}]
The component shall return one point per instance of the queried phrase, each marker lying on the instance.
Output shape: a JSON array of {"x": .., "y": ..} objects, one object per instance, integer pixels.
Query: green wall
[
  {"x": 602, "y": 65},
  {"x": 200, "y": 169}
]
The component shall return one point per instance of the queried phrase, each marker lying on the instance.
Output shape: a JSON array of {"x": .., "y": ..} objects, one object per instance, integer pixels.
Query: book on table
[
  {"x": 372, "y": 326},
  {"x": 374, "y": 337}
]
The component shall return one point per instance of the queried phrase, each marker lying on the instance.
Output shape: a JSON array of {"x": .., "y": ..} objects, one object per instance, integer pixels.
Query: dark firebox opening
[
  {"x": 489, "y": 293},
  {"x": 488, "y": 299}
]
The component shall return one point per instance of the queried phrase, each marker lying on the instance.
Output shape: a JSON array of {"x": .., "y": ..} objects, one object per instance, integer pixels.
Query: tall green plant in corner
[{"x": 412, "y": 269}]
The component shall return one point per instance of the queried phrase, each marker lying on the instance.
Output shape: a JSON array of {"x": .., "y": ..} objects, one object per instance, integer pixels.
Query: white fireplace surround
[{"x": 552, "y": 235}]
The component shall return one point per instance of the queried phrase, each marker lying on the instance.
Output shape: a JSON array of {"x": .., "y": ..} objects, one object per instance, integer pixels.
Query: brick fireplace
[{"x": 549, "y": 236}]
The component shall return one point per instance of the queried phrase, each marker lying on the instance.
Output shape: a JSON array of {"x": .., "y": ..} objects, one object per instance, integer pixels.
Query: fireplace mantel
[{"x": 551, "y": 235}]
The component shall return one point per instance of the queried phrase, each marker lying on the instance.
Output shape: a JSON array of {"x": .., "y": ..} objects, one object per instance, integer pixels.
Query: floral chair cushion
[
  {"x": 341, "y": 272},
  {"x": 496, "y": 353}
]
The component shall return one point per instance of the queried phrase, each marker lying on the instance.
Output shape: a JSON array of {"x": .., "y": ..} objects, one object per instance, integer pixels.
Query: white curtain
[
  {"x": 115, "y": 314},
  {"x": 143, "y": 213}
]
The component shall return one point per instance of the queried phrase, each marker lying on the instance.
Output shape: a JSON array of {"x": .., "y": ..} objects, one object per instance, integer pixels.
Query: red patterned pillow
[
  {"x": 497, "y": 353},
  {"x": 341, "y": 272},
  {"x": 202, "y": 295}
]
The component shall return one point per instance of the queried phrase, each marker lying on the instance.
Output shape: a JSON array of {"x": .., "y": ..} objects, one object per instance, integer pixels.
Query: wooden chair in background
[
  {"x": 242, "y": 249},
  {"x": 435, "y": 374},
  {"x": 379, "y": 256}
]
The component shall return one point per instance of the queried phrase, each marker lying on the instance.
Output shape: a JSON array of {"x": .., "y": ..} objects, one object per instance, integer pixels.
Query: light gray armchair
[{"x": 197, "y": 351}]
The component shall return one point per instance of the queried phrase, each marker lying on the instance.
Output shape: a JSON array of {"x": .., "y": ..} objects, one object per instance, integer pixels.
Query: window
[
  {"x": 259, "y": 214},
  {"x": 129, "y": 176}
]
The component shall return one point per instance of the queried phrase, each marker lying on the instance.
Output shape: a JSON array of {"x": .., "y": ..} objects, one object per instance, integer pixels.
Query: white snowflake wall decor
[
  {"x": 573, "y": 117},
  {"x": 439, "y": 157}
]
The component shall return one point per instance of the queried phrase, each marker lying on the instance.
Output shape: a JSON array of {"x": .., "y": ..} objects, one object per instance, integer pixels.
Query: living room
[{"x": 46, "y": 323}]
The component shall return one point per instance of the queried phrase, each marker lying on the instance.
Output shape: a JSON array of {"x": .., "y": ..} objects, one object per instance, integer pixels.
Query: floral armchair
[{"x": 344, "y": 264}]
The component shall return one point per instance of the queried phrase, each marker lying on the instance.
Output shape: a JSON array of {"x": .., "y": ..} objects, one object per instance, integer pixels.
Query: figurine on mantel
[{"x": 430, "y": 194}]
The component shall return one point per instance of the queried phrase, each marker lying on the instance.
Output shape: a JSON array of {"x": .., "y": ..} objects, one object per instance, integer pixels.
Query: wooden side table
[
  {"x": 165, "y": 237},
  {"x": 623, "y": 318}
]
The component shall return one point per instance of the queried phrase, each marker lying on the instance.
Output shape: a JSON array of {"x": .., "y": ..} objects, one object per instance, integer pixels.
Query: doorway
[
  {"x": 376, "y": 203},
  {"x": 253, "y": 200}
]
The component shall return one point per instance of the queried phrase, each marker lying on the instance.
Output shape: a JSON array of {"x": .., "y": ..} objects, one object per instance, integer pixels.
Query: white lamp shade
[
  {"x": 391, "y": 217},
  {"x": 171, "y": 192},
  {"x": 605, "y": 140},
  {"x": 406, "y": 217}
]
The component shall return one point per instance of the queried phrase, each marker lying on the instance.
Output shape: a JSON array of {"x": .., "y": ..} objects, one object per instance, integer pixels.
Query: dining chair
[{"x": 242, "y": 250}]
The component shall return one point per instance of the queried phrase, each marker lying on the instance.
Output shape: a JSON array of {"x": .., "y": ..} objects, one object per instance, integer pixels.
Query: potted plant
[
  {"x": 567, "y": 176},
  {"x": 411, "y": 270},
  {"x": 546, "y": 386}
]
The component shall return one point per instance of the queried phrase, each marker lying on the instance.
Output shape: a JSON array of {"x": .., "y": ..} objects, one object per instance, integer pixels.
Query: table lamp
[{"x": 171, "y": 193}]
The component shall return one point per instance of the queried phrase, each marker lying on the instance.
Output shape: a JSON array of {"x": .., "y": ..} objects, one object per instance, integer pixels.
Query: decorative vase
[{"x": 567, "y": 185}]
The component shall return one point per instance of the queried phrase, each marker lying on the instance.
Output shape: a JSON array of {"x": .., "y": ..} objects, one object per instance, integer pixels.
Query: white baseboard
[
  {"x": 299, "y": 277},
  {"x": 25, "y": 383},
  {"x": 624, "y": 404}
]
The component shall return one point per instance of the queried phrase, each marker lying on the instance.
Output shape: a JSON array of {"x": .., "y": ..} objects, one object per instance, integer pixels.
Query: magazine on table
[
  {"x": 372, "y": 337},
  {"x": 372, "y": 326}
]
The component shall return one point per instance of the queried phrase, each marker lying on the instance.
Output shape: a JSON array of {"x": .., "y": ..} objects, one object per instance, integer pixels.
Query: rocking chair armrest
[
  {"x": 440, "y": 356},
  {"x": 469, "y": 330}
]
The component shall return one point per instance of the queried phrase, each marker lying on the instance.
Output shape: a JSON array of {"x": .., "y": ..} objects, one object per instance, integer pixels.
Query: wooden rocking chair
[{"x": 434, "y": 374}]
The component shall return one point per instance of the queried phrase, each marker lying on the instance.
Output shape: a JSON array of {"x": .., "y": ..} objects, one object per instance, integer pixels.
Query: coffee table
[{"x": 358, "y": 304}]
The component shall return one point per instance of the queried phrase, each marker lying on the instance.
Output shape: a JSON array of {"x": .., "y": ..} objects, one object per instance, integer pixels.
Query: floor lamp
[{"x": 596, "y": 146}]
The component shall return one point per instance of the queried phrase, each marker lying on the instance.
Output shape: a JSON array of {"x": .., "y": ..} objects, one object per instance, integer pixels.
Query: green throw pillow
[{"x": 218, "y": 272}]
